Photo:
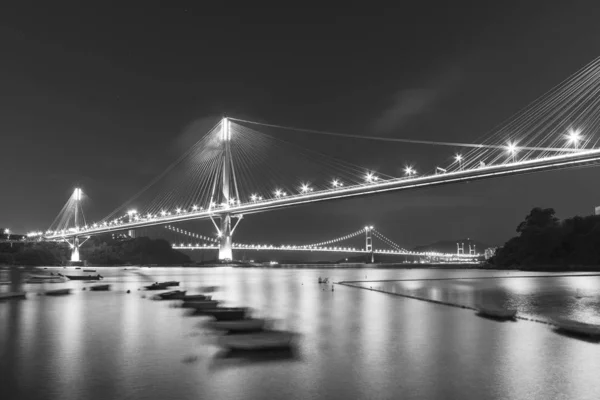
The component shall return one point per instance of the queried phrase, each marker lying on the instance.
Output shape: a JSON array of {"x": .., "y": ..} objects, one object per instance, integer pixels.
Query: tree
[{"x": 538, "y": 219}]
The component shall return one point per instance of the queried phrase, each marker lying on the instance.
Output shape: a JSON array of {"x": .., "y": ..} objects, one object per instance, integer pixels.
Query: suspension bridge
[
  {"x": 187, "y": 240},
  {"x": 229, "y": 173}
]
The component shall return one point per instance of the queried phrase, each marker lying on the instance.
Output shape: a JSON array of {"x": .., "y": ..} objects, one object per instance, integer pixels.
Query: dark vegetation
[
  {"x": 138, "y": 251},
  {"x": 37, "y": 253},
  {"x": 97, "y": 251},
  {"x": 545, "y": 243}
]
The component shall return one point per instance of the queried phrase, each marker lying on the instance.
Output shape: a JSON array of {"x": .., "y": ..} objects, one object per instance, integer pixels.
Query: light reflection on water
[
  {"x": 575, "y": 297},
  {"x": 354, "y": 343}
]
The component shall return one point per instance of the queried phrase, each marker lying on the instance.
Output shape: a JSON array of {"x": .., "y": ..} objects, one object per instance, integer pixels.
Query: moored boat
[
  {"x": 576, "y": 327},
  {"x": 58, "y": 292},
  {"x": 172, "y": 295},
  {"x": 155, "y": 286},
  {"x": 98, "y": 288},
  {"x": 12, "y": 295},
  {"x": 84, "y": 277},
  {"x": 495, "y": 311},
  {"x": 242, "y": 325},
  {"x": 46, "y": 279},
  {"x": 226, "y": 313},
  {"x": 200, "y": 305},
  {"x": 196, "y": 297},
  {"x": 161, "y": 285},
  {"x": 89, "y": 270},
  {"x": 266, "y": 340}
]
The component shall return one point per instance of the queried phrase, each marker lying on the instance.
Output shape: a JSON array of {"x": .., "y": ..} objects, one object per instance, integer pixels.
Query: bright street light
[
  {"x": 305, "y": 188},
  {"x": 336, "y": 183},
  {"x": 458, "y": 158},
  {"x": 278, "y": 193},
  {"x": 574, "y": 136},
  {"x": 253, "y": 197},
  {"x": 409, "y": 171},
  {"x": 370, "y": 177},
  {"x": 512, "y": 150}
]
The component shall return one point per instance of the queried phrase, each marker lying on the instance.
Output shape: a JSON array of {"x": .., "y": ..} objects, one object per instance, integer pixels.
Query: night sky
[{"x": 105, "y": 98}]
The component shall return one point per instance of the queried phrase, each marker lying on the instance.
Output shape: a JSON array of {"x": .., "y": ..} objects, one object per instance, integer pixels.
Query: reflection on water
[
  {"x": 574, "y": 297},
  {"x": 353, "y": 343}
]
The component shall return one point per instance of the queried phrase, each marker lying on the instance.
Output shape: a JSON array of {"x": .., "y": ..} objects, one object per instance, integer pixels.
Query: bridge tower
[
  {"x": 75, "y": 245},
  {"x": 369, "y": 242},
  {"x": 225, "y": 251},
  {"x": 460, "y": 248}
]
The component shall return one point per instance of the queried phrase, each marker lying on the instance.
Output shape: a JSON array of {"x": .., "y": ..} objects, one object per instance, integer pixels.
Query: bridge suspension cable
[
  {"x": 336, "y": 240},
  {"x": 399, "y": 140},
  {"x": 389, "y": 242}
]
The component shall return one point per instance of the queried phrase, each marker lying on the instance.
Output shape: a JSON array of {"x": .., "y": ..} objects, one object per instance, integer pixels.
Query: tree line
[{"x": 545, "y": 242}]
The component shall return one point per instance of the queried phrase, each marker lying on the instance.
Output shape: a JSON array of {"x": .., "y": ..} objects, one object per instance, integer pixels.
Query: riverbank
[
  {"x": 545, "y": 268},
  {"x": 361, "y": 265}
]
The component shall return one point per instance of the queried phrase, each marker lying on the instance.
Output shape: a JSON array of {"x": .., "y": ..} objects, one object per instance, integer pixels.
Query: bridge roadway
[
  {"x": 190, "y": 246},
  {"x": 582, "y": 158}
]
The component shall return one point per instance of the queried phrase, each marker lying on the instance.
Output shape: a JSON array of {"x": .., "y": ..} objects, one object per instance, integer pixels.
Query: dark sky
[{"x": 102, "y": 97}]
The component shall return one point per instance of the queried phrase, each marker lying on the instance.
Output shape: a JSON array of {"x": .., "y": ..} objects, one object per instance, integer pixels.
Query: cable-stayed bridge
[{"x": 241, "y": 167}]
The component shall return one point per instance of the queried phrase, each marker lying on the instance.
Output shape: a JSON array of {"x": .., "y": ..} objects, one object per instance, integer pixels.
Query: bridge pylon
[
  {"x": 369, "y": 242},
  {"x": 230, "y": 194}
]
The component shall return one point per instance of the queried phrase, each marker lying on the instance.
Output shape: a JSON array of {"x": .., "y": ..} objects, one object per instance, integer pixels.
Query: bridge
[
  {"x": 228, "y": 173},
  {"x": 194, "y": 241}
]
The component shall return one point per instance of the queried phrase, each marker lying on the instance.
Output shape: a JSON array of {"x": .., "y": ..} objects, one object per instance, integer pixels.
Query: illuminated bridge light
[
  {"x": 178, "y": 210},
  {"x": 163, "y": 213},
  {"x": 195, "y": 207},
  {"x": 574, "y": 136},
  {"x": 409, "y": 171},
  {"x": 336, "y": 183},
  {"x": 278, "y": 193},
  {"x": 512, "y": 148},
  {"x": 305, "y": 188},
  {"x": 253, "y": 197}
]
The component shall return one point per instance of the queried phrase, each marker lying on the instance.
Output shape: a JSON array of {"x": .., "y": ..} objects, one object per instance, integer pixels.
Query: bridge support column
[
  {"x": 75, "y": 250},
  {"x": 225, "y": 251}
]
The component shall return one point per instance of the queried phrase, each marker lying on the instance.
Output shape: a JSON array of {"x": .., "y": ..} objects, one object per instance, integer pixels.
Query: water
[{"x": 354, "y": 343}]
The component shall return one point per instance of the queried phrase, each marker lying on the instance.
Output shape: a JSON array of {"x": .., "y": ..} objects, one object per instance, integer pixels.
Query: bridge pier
[
  {"x": 75, "y": 249},
  {"x": 225, "y": 251}
]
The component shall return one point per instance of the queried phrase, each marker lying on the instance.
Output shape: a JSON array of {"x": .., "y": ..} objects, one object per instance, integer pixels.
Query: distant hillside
[{"x": 449, "y": 246}]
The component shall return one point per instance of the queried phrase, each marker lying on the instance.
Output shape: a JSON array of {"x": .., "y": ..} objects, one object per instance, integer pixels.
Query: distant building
[
  {"x": 490, "y": 252},
  {"x": 597, "y": 210}
]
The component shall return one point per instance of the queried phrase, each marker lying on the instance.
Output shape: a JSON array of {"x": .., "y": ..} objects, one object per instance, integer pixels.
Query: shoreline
[{"x": 482, "y": 266}]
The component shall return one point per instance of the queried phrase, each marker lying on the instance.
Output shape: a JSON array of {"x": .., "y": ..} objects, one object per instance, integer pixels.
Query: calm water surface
[{"x": 354, "y": 343}]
